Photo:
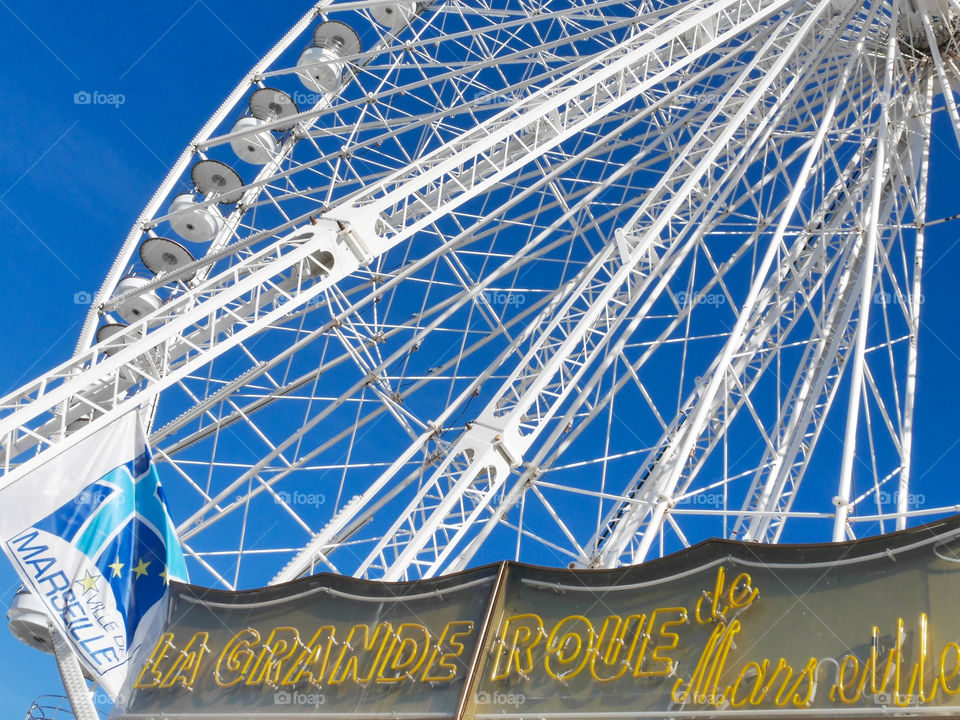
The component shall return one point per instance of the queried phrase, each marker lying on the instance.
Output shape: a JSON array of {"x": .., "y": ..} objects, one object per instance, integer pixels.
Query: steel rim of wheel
[{"x": 572, "y": 283}]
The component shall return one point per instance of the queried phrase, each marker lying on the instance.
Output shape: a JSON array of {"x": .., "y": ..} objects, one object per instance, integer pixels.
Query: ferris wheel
[{"x": 570, "y": 282}]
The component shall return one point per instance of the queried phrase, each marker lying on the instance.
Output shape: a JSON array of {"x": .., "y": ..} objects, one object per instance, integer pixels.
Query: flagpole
[{"x": 72, "y": 676}]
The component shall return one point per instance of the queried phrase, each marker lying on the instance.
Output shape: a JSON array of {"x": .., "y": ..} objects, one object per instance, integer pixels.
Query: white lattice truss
[{"x": 571, "y": 282}]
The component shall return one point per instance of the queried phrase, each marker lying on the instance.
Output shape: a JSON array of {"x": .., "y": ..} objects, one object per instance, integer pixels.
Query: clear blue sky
[{"x": 74, "y": 177}]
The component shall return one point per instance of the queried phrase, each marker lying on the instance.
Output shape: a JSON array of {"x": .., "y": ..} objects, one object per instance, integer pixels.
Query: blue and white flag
[{"x": 90, "y": 535}]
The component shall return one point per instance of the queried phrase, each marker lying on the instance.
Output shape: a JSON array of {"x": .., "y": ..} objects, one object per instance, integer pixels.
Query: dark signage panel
[
  {"x": 867, "y": 628},
  {"x": 727, "y": 627},
  {"x": 322, "y": 645}
]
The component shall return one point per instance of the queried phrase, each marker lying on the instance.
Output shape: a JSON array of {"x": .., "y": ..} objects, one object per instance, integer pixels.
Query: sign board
[
  {"x": 325, "y": 644},
  {"x": 722, "y": 629}
]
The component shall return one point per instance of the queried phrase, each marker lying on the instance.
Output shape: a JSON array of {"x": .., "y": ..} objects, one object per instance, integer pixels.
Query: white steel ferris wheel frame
[{"x": 808, "y": 158}]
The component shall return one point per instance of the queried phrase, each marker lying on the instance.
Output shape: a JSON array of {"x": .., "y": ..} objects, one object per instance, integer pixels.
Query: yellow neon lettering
[
  {"x": 808, "y": 674},
  {"x": 185, "y": 667},
  {"x": 756, "y": 671},
  {"x": 671, "y": 638},
  {"x": 566, "y": 653},
  {"x": 712, "y": 679},
  {"x": 944, "y": 678},
  {"x": 844, "y": 680},
  {"x": 919, "y": 672},
  {"x": 782, "y": 695},
  {"x": 311, "y": 663},
  {"x": 759, "y": 691},
  {"x": 613, "y": 634},
  {"x": 453, "y": 636},
  {"x": 898, "y": 700},
  {"x": 713, "y": 598},
  {"x": 361, "y": 643},
  {"x": 515, "y": 654},
  {"x": 747, "y": 593},
  {"x": 236, "y": 656},
  {"x": 280, "y": 646},
  {"x": 692, "y": 689},
  {"x": 153, "y": 665},
  {"x": 409, "y": 650}
]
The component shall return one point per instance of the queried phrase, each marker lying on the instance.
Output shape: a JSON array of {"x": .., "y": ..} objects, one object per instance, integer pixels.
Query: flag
[{"x": 89, "y": 534}]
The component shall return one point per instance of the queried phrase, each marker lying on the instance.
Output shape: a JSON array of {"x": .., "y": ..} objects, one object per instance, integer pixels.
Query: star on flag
[
  {"x": 89, "y": 582},
  {"x": 141, "y": 568},
  {"x": 116, "y": 566}
]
